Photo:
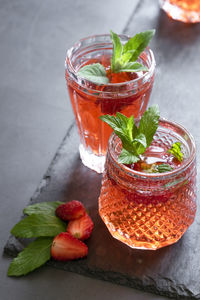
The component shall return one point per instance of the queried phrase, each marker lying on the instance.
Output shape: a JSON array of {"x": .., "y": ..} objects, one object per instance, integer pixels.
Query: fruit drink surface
[
  {"x": 88, "y": 105},
  {"x": 148, "y": 213},
  {"x": 155, "y": 155}
]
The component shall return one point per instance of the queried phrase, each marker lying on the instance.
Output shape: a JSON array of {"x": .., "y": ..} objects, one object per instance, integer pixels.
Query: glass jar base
[
  {"x": 179, "y": 14},
  {"x": 92, "y": 161}
]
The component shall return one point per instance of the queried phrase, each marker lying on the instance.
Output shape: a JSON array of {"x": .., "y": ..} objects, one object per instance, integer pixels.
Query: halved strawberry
[
  {"x": 81, "y": 228},
  {"x": 70, "y": 211},
  {"x": 66, "y": 247}
]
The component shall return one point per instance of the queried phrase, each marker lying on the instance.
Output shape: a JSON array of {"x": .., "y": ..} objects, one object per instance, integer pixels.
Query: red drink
[
  {"x": 183, "y": 10},
  {"x": 155, "y": 155},
  {"x": 127, "y": 93},
  {"x": 150, "y": 210}
]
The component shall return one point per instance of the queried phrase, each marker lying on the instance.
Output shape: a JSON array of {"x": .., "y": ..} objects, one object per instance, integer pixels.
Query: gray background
[{"x": 35, "y": 112}]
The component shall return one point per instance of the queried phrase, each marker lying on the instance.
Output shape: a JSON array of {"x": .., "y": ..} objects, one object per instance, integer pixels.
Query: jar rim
[
  {"x": 157, "y": 176},
  {"x": 73, "y": 73}
]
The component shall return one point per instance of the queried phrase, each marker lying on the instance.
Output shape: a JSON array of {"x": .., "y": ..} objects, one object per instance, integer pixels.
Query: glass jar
[
  {"x": 90, "y": 101},
  {"x": 150, "y": 210},
  {"x": 187, "y": 11}
]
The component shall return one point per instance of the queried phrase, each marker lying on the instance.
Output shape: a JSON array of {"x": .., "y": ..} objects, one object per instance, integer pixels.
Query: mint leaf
[
  {"x": 122, "y": 119},
  {"x": 95, "y": 73},
  {"x": 138, "y": 43},
  {"x": 176, "y": 151},
  {"x": 115, "y": 124},
  {"x": 123, "y": 128},
  {"x": 129, "y": 127},
  {"x": 124, "y": 57},
  {"x": 38, "y": 225},
  {"x": 32, "y": 257},
  {"x": 132, "y": 67},
  {"x": 134, "y": 140},
  {"x": 117, "y": 50},
  {"x": 127, "y": 157},
  {"x": 149, "y": 123},
  {"x": 47, "y": 208},
  {"x": 131, "y": 151},
  {"x": 154, "y": 168},
  {"x": 127, "y": 131},
  {"x": 139, "y": 143},
  {"x": 163, "y": 168}
]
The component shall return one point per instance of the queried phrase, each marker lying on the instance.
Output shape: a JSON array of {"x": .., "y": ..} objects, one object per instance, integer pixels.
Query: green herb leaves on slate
[
  {"x": 134, "y": 139},
  {"x": 32, "y": 257},
  {"x": 124, "y": 58},
  {"x": 176, "y": 151},
  {"x": 42, "y": 223},
  {"x": 95, "y": 73},
  {"x": 37, "y": 225},
  {"x": 47, "y": 208}
]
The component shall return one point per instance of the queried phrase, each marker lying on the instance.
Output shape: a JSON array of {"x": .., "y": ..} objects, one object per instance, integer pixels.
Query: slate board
[{"x": 173, "y": 271}]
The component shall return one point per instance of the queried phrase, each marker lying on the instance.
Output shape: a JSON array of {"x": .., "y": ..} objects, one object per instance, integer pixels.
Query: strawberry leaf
[{"x": 32, "y": 257}]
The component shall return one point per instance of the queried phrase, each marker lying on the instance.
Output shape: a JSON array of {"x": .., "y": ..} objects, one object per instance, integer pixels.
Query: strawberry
[
  {"x": 70, "y": 210},
  {"x": 81, "y": 228},
  {"x": 66, "y": 247}
]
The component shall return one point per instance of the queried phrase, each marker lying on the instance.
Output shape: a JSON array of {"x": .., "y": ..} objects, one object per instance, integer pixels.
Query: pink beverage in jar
[{"x": 150, "y": 210}]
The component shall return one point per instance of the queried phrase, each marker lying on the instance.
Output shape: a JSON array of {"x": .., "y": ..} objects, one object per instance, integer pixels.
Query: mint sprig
[
  {"x": 134, "y": 139},
  {"x": 32, "y": 257},
  {"x": 175, "y": 150},
  {"x": 95, "y": 73},
  {"x": 124, "y": 56}
]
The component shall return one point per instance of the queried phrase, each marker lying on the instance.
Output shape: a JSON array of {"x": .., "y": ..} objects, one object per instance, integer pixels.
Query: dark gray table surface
[{"x": 35, "y": 112}]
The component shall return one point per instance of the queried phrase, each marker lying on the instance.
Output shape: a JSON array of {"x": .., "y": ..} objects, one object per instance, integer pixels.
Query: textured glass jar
[
  {"x": 150, "y": 210},
  {"x": 90, "y": 101},
  {"x": 187, "y": 11}
]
